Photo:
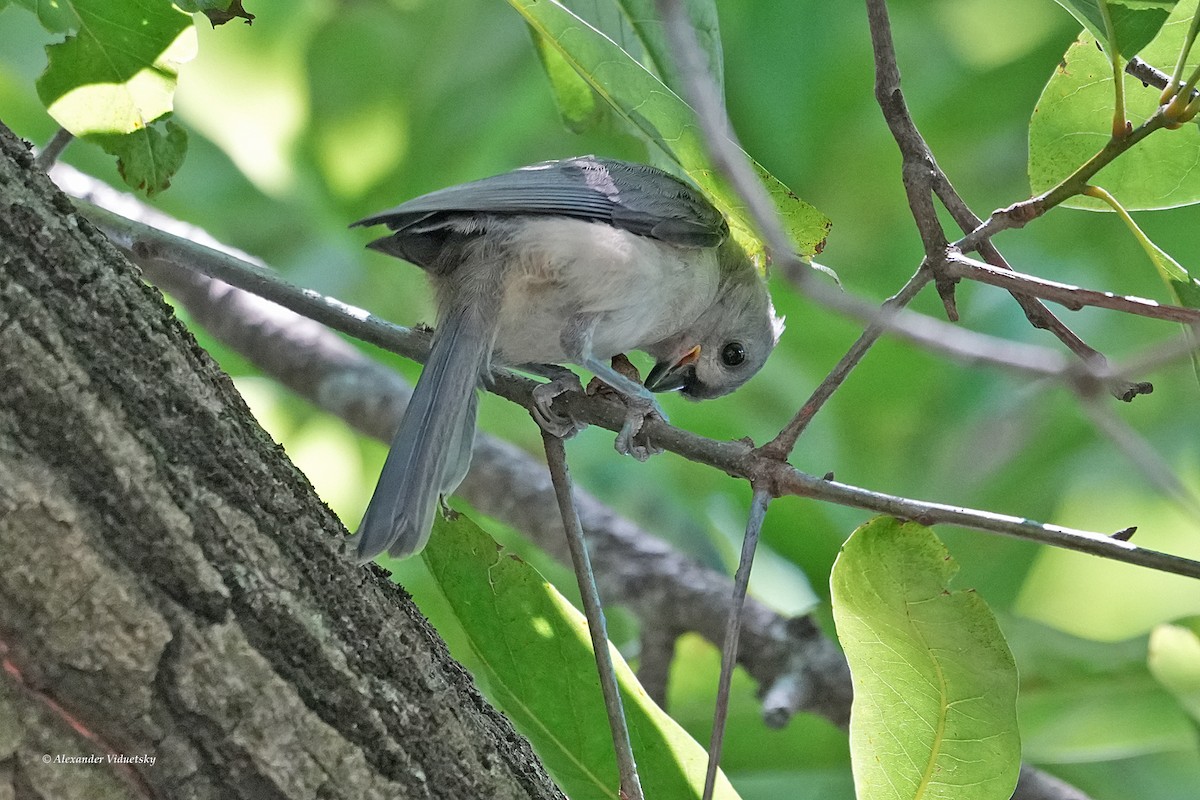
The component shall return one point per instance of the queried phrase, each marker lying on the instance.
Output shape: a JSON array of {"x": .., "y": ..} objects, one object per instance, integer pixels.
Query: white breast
[{"x": 637, "y": 290}]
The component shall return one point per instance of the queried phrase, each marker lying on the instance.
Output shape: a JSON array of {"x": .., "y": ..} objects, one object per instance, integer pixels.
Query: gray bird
[{"x": 571, "y": 261}]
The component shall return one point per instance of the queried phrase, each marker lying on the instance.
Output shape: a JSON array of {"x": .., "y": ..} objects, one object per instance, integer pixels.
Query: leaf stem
[
  {"x": 1120, "y": 126},
  {"x": 1142, "y": 239},
  {"x": 1177, "y": 74}
]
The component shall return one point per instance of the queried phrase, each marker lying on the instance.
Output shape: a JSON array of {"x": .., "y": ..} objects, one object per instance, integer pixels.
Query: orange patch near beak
[{"x": 690, "y": 357}]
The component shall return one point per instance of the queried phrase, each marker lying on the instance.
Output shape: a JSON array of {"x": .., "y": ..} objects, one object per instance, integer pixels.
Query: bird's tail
[{"x": 432, "y": 449}]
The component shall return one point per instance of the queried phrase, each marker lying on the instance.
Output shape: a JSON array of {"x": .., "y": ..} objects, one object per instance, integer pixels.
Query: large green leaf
[
  {"x": 535, "y": 649},
  {"x": 634, "y": 26},
  {"x": 116, "y": 76},
  {"x": 660, "y": 116},
  {"x": 1073, "y": 121},
  {"x": 1134, "y": 22},
  {"x": 117, "y": 73},
  {"x": 935, "y": 686}
]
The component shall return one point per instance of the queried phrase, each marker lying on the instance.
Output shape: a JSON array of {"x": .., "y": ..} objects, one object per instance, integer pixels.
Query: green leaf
[
  {"x": 147, "y": 158},
  {"x": 1073, "y": 121},
  {"x": 935, "y": 686},
  {"x": 661, "y": 117},
  {"x": 1174, "y": 660},
  {"x": 634, "y": 27},
  {"x": 117, "y": 74},
  {"x": 1134, "y": 22},
  {"x": 538, "y": 661},
  {"x": 643, "y": 16},
  {"x": 578, "y": 104}
]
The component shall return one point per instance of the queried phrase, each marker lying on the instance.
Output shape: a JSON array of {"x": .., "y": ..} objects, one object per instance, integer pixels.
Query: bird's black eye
[{"x": 733, "y": 354}]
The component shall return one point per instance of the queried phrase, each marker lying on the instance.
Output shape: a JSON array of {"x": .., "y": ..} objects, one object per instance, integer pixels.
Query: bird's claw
[
  {"x": 550, "y": 420},
  {"x": 632, "y": 439}
]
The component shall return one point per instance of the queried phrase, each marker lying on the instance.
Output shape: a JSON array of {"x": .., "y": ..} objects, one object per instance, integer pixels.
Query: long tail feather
[{"x": 432, "y": 449}]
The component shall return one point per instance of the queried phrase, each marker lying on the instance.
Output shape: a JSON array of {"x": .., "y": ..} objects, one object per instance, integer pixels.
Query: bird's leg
[{"x": 640, "y": 402}]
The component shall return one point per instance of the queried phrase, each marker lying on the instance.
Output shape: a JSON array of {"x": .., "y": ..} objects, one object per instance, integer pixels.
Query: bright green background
[{"x": 322, "y": 112}]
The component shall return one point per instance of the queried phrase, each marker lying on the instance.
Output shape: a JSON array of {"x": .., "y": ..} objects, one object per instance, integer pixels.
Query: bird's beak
[{"x": 669, "y": 376}]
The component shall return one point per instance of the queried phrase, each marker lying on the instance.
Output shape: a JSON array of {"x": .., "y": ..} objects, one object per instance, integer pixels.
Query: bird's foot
[
  {"x": 632, "y": 439},
  {"x": 550, "y": 420}
]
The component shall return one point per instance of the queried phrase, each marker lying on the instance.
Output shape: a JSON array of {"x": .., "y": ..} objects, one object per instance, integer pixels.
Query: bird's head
[{"x": 726, "y": 345}]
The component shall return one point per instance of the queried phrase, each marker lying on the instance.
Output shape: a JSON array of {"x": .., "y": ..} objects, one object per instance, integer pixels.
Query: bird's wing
[{"x": 634, "y": 197}]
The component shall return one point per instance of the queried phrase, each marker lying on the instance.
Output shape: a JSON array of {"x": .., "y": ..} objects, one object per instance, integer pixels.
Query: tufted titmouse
[{"x": 570, "y": 261}]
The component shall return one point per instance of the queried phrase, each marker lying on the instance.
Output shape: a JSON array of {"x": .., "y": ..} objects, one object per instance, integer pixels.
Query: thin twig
[
  {"x": 781, "y": 446},
  {"x": 733, "y": 628},
  {"x": 560, "y": 475},
  {"x": 1073, "y": 297},
  {"x": 46, "y": 157},
  {"x": 1019, "y": 214}
]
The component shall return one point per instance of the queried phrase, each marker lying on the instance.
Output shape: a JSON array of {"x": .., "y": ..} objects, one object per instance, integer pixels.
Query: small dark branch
[
  {"x": 1097, "y": 544},
  {"x": 1151, "y": 75},
  {"x": 920, "y": 171},
  {"x": 919, "y": 167},
  {"x": 1036, "y": 312},
  {"x": 46, "y": 157}
]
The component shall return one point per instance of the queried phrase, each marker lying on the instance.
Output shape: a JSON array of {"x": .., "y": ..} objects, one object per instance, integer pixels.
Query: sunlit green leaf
[
  {"x": 1134, "y": 22},
  {"x": 666, "y": 121},
  {"x": 117, "y": 73},
  {"x": 935, "y": 686},
  {"x": 581, "y": 108},
  {"x": 635, "y": 27},
  {"x": 535, "y": 649},
  {"x": 1073, "y": 121}
]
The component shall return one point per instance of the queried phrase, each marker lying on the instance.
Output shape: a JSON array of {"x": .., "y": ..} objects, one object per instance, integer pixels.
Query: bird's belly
[{"x": 632, "y": 291}]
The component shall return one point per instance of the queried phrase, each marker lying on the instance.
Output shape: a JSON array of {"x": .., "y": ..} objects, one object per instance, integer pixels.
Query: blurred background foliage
[{"x": 324, "y": 111}]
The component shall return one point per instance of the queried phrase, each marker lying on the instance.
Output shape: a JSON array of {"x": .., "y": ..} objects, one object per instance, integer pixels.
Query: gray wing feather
[{"x": 634, "y": 197}]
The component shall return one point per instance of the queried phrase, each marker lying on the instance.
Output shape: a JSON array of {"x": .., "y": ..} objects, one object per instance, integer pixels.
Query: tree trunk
[{"x": 176, "y": 615}]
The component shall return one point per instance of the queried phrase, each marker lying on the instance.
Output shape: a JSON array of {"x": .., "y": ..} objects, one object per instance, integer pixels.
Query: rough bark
[{"x": 170, "y": 586}]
